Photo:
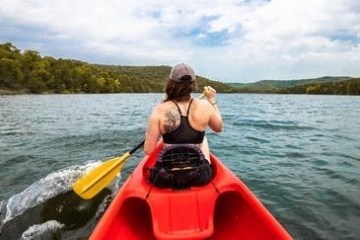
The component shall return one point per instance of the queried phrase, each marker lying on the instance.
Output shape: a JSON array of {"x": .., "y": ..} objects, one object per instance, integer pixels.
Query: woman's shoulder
[
  {"x": 201, "y": 102},
  {"x": 164, "y": 106}
]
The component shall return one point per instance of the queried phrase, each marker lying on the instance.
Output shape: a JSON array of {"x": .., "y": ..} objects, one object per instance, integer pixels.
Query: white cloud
[{"x": 227, "y": 40}]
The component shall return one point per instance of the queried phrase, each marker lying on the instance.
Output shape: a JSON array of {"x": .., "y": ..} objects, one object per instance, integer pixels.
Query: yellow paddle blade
[{"x": 99, "y": 177}]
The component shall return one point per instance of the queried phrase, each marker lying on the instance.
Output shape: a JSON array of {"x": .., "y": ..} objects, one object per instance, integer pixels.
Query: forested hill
[
  {"x": 276, "y": 85},
  {"x": 324, "y": 85},
  {"x": 29, "y": 72}
]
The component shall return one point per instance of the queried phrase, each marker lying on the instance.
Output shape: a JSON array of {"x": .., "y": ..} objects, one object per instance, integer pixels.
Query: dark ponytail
[{"x": 179, "y": 91}]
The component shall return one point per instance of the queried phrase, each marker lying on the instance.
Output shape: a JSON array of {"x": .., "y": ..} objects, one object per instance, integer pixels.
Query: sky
[{"x": 224, "y": 40}]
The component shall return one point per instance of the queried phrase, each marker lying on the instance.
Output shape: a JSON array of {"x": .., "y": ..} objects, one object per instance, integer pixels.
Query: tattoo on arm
[{"x": 170, "y": 121}]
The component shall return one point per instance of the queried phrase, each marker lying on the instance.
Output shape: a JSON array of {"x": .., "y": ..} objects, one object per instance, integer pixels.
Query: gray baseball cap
[{"x": 182, "y": 72}]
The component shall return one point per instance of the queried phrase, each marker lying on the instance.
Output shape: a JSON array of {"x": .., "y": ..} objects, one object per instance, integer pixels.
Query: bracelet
[{"x": 213, "y": 103}]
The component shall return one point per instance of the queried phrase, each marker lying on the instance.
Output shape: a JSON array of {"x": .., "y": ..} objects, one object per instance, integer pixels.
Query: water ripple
[{"x": 299, "y": 154}]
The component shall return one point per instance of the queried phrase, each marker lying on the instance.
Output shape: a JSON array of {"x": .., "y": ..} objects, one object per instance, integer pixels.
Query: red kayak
[{"x": 223, "y": 209}]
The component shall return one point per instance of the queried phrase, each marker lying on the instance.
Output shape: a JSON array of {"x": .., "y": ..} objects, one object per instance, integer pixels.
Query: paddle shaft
[{"x": 137, "y": 147}]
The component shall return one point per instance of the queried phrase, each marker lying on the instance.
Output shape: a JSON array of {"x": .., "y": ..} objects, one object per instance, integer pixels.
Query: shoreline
[
  {"x": 7, "y": 92},
  {"x": 13, "y": 92}
]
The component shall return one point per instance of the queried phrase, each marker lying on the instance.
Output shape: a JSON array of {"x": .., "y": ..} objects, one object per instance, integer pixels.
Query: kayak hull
[{"x": 225, "y": 208}]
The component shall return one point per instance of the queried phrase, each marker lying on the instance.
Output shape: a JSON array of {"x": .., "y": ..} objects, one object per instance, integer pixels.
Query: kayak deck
[{"x": 222, "y": 209}]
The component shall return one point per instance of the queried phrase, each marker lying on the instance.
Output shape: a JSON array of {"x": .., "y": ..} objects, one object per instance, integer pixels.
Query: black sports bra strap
[
  {"x": 178, "y": 107},
  {"x": 188, "y": 110}
]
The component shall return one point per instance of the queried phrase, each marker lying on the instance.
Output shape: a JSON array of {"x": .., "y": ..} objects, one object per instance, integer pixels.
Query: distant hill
[
  {"x": 276, "y": 86},
  {"x": 346, "y": 87},
  {"x": 29, "y": 72},
  {"x": 152, "y": 78}
]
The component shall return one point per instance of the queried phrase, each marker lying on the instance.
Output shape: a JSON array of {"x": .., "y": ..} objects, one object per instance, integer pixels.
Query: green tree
[
  {"x": 7, "y": 50},
  {"x": 313, "y": 89},
  {"x": 353, "y": 88},
  {"x": 38, "y": 79},
  {"x": 10, "y": 73}
]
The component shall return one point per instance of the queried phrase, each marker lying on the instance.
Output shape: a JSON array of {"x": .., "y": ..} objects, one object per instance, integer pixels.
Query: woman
[{"x": 180, "y": 119}]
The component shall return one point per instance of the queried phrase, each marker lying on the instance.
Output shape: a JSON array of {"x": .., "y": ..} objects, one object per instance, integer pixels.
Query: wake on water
[
  {"x": 40, "y": 230},
  {"x": 49, "y": 205}
]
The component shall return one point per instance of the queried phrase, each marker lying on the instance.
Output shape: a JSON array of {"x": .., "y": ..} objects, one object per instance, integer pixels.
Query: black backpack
[{"x": 180, "y": 166}]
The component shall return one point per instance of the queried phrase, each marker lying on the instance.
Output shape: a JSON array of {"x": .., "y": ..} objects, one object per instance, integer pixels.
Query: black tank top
[{"x": 184, "y": 133}]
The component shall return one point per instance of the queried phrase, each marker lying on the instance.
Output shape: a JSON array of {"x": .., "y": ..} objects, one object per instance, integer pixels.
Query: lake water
[{"x": 300, "y": 154}]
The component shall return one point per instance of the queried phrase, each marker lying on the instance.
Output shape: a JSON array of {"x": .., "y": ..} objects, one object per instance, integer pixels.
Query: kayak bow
[{"x": 222, "y": 209}]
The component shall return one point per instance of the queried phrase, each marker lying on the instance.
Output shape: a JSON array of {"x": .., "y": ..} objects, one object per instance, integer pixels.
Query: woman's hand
[{"x": 210, "y": 94}]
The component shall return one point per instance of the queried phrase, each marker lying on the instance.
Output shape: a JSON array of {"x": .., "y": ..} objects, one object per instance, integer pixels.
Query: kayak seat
[
  {"x": 179, "y": 167},
  {"x": 183, "y": 214}
]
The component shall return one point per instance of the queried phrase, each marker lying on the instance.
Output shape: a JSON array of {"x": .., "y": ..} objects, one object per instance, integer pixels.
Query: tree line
[
  {"x": 346, "y": 87},
  {"x": 28, "y": 71},
  {"x": 323, "y": 85}
]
